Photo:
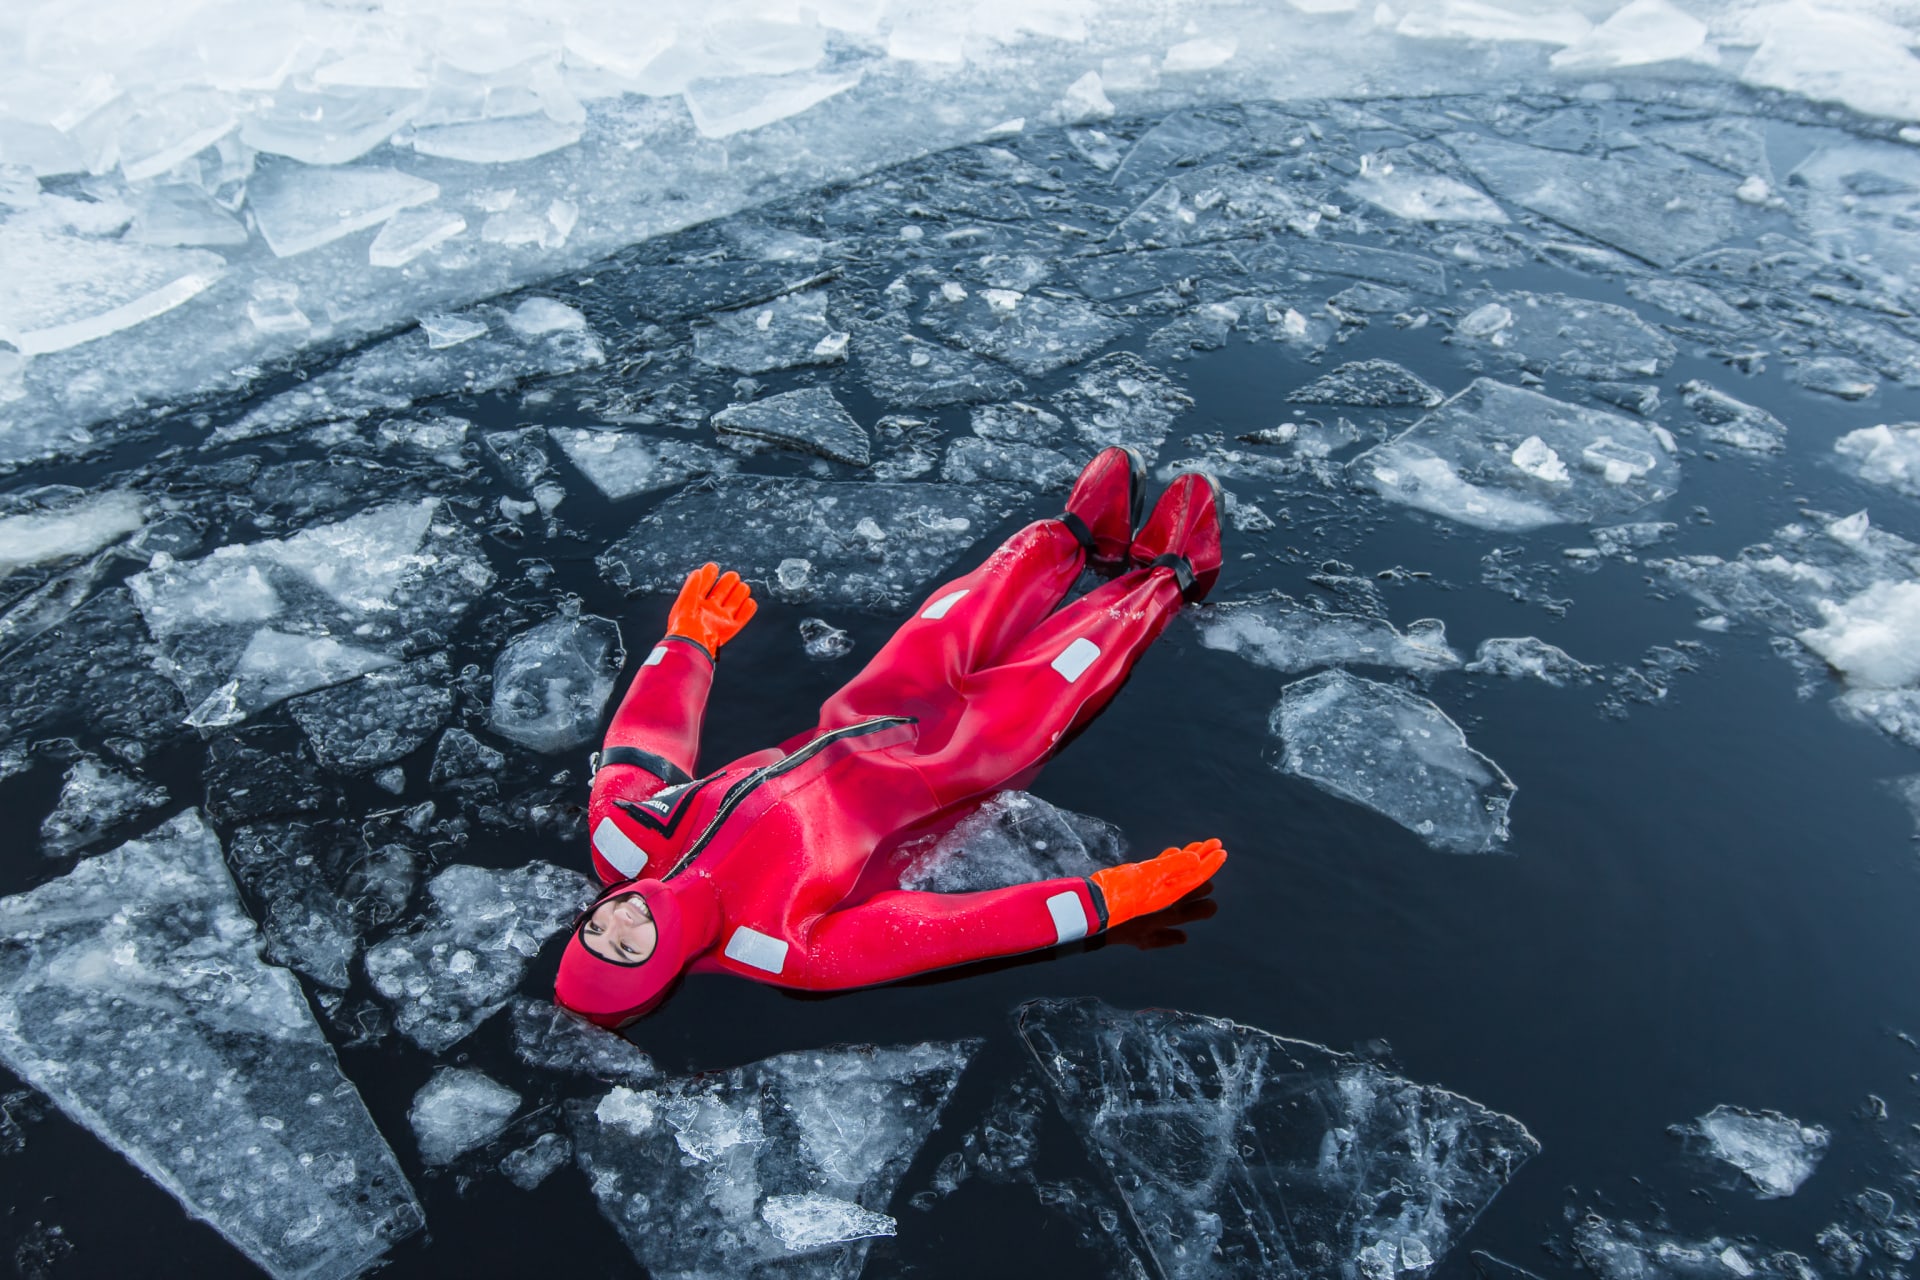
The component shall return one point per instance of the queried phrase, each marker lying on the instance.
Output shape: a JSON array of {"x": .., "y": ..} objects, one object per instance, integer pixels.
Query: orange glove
[
  {"x": 1135, "y": 888},
  {"x": 711, "y": 608}
]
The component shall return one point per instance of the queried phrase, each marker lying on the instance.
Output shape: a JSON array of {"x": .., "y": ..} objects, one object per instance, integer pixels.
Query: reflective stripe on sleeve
[
  {"x": 1069, "y": 917},
  {"x": 751, "y": 947},
  {"x": 655, "y": 658},
  {"x": 938, "y": 609},
  {"x": 618, "y": 848}
]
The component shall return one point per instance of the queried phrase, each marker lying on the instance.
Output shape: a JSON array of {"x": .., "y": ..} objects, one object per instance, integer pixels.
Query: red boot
[
  {"x": 1105, "y": 503},
  {"x": 1183, "y": 533}
]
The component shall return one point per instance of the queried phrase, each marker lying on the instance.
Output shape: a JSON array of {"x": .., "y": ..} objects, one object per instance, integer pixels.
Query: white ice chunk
[
  {"x": 1637, "y": 33},
  {"x": 178, "y": 214},
  {"x": 1872, "y": 638},
  {"x": 1395, "y": 753},
  {"x": 621, "y": 463},
  {"x": 1479, "y": 20},
  {"x": 1831, "y": 54},
  {"x": 1774, "y": 1152},
  {"x": 1537, "y": 458},
  {"x": 724, "y": 107},
  {"x": 42, "y": 537},
  {"x": 1885, "y": 454},
  {"x": 496, "y": 141},
  {"x": 813, "y": 1221},
  {"x": 809, "y": 419},
  {"x": 1278, "y": 633},
  {"x": 412, "y": 232},
  {"x": 59, "y": 291},
  {"x": 136, "y": 999},
  {"x": 457, "y": 1110},
  {"x": 551, "y": 683},
  {"x": 1424, "y": 197},
  {"x": 1527, "y": 656},
  {"x": 299, "y": 209},
  {"x": 457, "y": 967},
  {"x": 1460, "y": 461},
  {"x": 327, "y": 126}
]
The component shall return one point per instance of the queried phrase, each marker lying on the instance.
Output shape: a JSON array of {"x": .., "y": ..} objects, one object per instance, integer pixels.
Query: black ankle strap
[
  {"x": 1078, "y": 528},
  {"x": 1181, "y": 566}
]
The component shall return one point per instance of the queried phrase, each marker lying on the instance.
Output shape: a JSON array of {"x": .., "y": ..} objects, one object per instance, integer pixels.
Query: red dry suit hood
[{"x": 613, "y": 993}]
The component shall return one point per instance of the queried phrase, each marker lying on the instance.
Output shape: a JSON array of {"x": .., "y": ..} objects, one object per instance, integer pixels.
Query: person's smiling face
[{"x": 621, "y": 930}]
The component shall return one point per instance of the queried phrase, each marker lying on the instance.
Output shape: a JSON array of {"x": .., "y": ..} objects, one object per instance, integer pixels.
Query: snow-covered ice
[
  {"x": 1277, "y": 632},
  {"x": 1885, "y": 454},
  {"x": 1241, "y": 1153},
  {"x": 1775, "y": 1153},
  {"x": 133, "y": 994},
  {"x": 1397, "y": 754},
  {"x": 809, "y": 420},
  {"x": 791, "y": 1160},
  {"x": 1460, "y": 461},
  {"x": 871, "y": 546},
  {"x": 457, "y": 1110},
  {"x": 1013, "y": 837},
  {"x": 551, "y": 683},
  {"x": 450, "y": 971}
]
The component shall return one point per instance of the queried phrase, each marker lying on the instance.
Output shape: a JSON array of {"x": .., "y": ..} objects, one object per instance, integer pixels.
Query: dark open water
[{"x": 1709, "y": 899}]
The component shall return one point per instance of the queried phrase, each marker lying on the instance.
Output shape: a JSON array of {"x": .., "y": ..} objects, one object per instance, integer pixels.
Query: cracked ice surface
[
  {"x": 1500, "y": 457},
  {"x": 249, "y": 625},
  {"x": 133, "y": 994},
  {"x": 1395, "y": 753},
  {"x": 1238, "y": 1153},
  {"x": 864, "y": 546},
  {"x": 786, "y": 1166},
  {"x": 1775, "y": 1153},
  {"x": 457, "y": 967}
]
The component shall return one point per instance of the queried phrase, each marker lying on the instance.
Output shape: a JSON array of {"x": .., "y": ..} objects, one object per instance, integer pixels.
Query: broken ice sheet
[
  {"x": 95, "y": 800},
  {"x": 1500, "y": 457},
  {"x": 1885, "y": 455},
  {"x": 621, "y": 464},
  {"x": 320, "y": 888},
  {"x": 529, "y": 1166},
  {"x": 1013, "y": 837},
  {"x": 871, "y": 546},
  {"x": 1372, "y": 384},
  {"x": 458, "y": 1109},
  {"x": 552, "y": 681},
  {"x": 786, "y": 333},
  {"x": 1623, "y": 1251},
  {"x": 782, "y": 1167},
  {"x": 810, "y": 420},
  {"x": 971, "y": 460},
  {"x": 250, "y": 624},
  {"x": 1725, "y": 420},
  {"x": 453, "y": 969},
  {"x": 1033, "y": 332},
  {"x": 1576, "y": 337},
  {"x": 908, "y": 372},
  {"x": 67, "y": 531},
  {"x": 1395, "y": 753},
  {"x": 379, "y": 718},
  {"x": 1517, "y": 657},
  {"x": 298, "y": 208},
  {"x": 1277, "y": 632},
  {"x": 1240, "y": 1153},
  {"x": 547, "y": 1037},
  {"x": 1119, "y": 399},
  {"x": 1775, "y": 1153},
  {"x": 90, "y": 673},
  {"x": 1406, "y": 192},
  {"x": 60, "y": 291},
  {"x": 143, "y": 955},
  {"x": 537, "y": 338}
]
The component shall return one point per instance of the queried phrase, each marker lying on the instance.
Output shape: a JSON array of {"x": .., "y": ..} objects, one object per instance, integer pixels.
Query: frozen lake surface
[{"x": 1559, "y": 699}]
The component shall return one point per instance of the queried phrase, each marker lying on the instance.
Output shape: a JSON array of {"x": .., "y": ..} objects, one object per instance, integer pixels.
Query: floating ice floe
[
  {"x": 483, "y": 350},
  {"x": 785, "y": 333},
  {"x": 1034, "y": 333},
  {"x": 1372, "y": 384},
  {"x": 133, "y": 994},
  {"x": 1279, "y": 633},
  {"x": 1121, "y": 400},
  {"x": 1407, "y": 193},
  {"x": 1238, "y": 1152},
  {"x": 94, "y": 802},
  {"x": 1886, "y": 455},
  {"x": 1775, "y": 1153},
  {"x": 868, "y": 546},
  {"x": 810, "y": 420},
  {"x": 321, "y": 887},
  {"x": 1014, "y": 837},
  {"x": 1725, "y": 420},
  {"x": 1574, "y": 337},
  {"x": 1395, "y": 753},
  {"x": 621, "y": 464},
  {"x": 529, "y": 1166},
  {"x": 449, "y": 972},
  {"x": 249, "y": 625},
  {"x": 547, "y": 1037},
  {"x": 92, "y": 671},
  {"x": 552, "y": 681},
  {"x": 457, "y": 1110},
  {"x": 784, "y": 1166},
  {"x": 378, "y": 718},
  {"x": 1500, "y": 457},
  {"x": 1517, "y": 657},
  {"x": 1623, "y": 1251},
  {"x": 971, "y": 460}
]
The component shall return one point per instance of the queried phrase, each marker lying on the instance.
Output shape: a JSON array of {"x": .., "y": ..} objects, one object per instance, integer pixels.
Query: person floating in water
[{"x": 757, "y": 869}]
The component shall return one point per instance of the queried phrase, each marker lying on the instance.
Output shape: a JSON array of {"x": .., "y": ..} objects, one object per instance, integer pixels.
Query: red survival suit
[{"x": 748, "y": 869}]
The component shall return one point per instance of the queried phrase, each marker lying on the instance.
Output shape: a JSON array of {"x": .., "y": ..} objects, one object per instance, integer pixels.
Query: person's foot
[
  {"x": 1105, "y": 503},
  {"x": 1183, "y": 533}
]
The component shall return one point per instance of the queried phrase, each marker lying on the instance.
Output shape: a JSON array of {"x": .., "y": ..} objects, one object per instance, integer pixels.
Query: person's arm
[
  {"x": 654, "y": 739},
  {"x": 898, "y": 934}
]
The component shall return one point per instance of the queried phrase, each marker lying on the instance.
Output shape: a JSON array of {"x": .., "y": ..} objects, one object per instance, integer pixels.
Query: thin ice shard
[
  {"x": 60, "y": 291},
  {"x": 1279, "y": 634},
  {"x": 810, "y": 420},
  {"x": 133, "y": 994},
  {"x": 1238, "y": 1153}
]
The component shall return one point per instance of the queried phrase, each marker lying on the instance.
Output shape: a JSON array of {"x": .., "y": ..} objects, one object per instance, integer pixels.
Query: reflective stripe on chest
[{"x": 751, "y": 947}]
